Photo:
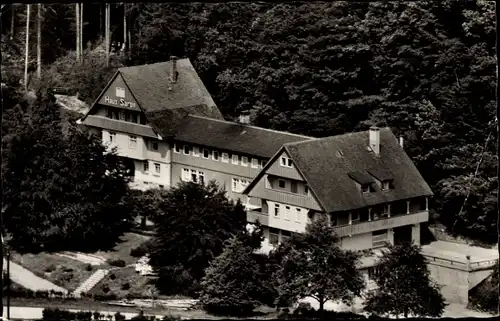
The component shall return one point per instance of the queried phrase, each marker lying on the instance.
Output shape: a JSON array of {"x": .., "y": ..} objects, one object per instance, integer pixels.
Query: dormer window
[
  {"x": 367, "y": 188},
  {"x": 386, "y": 185}
]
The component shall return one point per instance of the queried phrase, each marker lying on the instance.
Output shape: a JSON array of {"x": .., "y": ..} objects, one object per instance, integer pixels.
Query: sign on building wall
[{"x": 118, "y": 95}]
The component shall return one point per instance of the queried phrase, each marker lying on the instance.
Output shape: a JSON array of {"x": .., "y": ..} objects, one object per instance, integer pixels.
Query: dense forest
[{"x": 426, "y": 69}]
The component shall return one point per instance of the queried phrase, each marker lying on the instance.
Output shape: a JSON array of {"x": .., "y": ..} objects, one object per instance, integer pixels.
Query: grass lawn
[
  {"x": 62, "y": 271},
  {"x": 90, "y": 305},
  {"x": 121, "y": 251},
  {"x": 123, "y": 281},
  {"x": 70, "y": 273}
]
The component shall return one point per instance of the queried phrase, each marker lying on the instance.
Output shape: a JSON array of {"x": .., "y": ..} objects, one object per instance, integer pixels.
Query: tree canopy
[
  {"x": 67, "y": 186},
  {"x": 404, "y": 285},
  {"x": 313, "y": 265},
  {"x": 193, "y": 223},
  {"x": 232, "y": 284},
  {"x": 426, "y": 69}
]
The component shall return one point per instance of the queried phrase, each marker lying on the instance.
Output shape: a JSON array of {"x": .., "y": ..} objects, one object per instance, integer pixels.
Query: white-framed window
[
  {"x": 206, "y": 153},
  {"x": 186, "y": 175},
  {"x": 255, "y": 163},
  {"x": 157, "y": 168},
  {"x": 235, "y": 159},
  {"x": 177, "y": 148},
  {"x": 286, "y": 162},
  {"x": 386, "y": 185},
  {"x": 132, "y": 143},
  {"x": 187, "y": 149},
  {"x": 225, "y": 157},
  {"x": 154, "y": 145},
  {"x": 120, "y": 92},
  {"x": 112, "y": 137},
  {"x": 239, "y": 185},
  {"x": 287, "y": 213},
  {"x": 194, "y": 176},
  {"x": 215, "y": 155},
  {"x": 281, "y": 183},
  {"x": 244, "y": 161},
  {"x": 201, "y": 177},
  {"x": 196, "y": 151},
  {"x": 236, "y": 183},
  {"x": 276, "y": 210},
  {"x": 355, "y": 216},
  {"x": 145, "y": 165},
  {"x": 298, "y": 215}
]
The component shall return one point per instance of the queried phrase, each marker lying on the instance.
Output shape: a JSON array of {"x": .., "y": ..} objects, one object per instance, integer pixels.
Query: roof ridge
[
  {"x": 335, "y": 136},
  {"x": 256, "y": 127},
  {"x": 154, "y": 63}
]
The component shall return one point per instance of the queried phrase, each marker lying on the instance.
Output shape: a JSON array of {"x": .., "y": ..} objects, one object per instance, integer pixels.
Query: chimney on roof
[
  {"x": 401, "y": 141},
  {"x": 375, "y": 139},
  {"x": 173, "y": 76}
]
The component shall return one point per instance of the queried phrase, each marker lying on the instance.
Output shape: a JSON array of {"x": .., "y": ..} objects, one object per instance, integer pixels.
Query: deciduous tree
[
  {"x": 313, "y": 265},
  {"x": 194, "y": 221},
  {"x": 404, "y": 285}
]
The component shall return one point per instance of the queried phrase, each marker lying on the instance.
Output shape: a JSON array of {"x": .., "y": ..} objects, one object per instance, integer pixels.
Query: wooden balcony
[
  {"x": 382, "y": 223},
  {"x": 253, "y": 216}
]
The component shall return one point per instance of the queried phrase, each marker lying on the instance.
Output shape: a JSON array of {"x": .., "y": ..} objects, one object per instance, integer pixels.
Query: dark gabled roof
[
  {"x": 168, "y": 121},
  {"x": 361, "y": 178},
  {"x": 235, "y": 137},
  {"x": 328, "y": 175},
  {"x": 382, "y": 174},
  {"x": 165, "y": 103},
  {"x": 152, "y": 87}
]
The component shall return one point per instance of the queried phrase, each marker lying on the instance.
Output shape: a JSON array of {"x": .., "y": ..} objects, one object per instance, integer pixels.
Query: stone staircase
[{"x": 88, "y": 284}]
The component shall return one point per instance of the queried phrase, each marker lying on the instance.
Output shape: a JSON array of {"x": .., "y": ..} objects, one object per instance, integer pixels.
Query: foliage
[
  {"x": 117, "y": 263},
  {"x": 51, "y": 314},
  {"x": 86, "y": 79},
  {"x": 425, "y": 69},
  {"x": 232, "y": 283},
  {"x": 404, "y": 285},
  {"x": 193, "y": 224},
  {"x": 313, "y": 265},
  {"x": 66, "y": 186},
  {"x": 144, "y": 204},
  {"x": 485, "y": 295}
]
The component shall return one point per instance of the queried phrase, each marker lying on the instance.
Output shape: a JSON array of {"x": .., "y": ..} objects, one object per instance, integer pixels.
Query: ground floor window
[{"x": 274, "y": 236}]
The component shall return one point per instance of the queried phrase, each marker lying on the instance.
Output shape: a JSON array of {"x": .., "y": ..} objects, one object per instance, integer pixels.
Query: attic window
[
  {"x": 286, "y": 162},
  {"x": 367, "y": 188},
  {"x": 386, "y": 185}
]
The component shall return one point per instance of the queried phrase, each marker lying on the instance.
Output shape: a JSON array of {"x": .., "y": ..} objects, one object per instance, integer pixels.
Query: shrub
[
  {"x": 51, "y": 268},
  {"x": 105, "y": 288},
  {"x": 112, "y": 276},
  {"x": 140, "y": 250},
  {"x": 105, "y": 297},
  {"x": 126, "y": 286},
  {"x": 119, "y": 316},
  {"x": 117, "y": 263},
  {"x": 89, "y": 267}
]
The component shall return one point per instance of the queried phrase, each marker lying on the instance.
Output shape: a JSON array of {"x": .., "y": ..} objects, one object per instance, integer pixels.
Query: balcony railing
[
  {"x": 382, "y": 223},
  {"x": 253, "y": 216}
]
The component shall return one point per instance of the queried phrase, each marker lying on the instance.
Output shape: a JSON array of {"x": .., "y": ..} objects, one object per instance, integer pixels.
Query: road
[
  {"x": 37, "y": 313},
  {"x": 27, "y": 279}
]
